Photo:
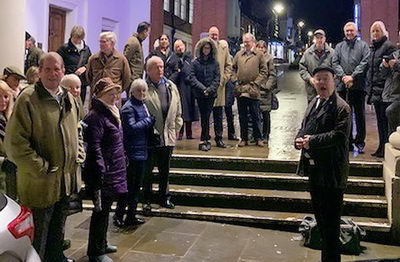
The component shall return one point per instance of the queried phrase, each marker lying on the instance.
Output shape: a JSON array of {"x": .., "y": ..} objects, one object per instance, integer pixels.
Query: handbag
[
  {"x": 274, "y": 102},
  {"x": 350, "y": 235}
]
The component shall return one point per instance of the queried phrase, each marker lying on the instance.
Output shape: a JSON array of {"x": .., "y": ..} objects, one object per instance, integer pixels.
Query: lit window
[
  {"x": 177, "y": 8},
  {"x": 166, "y": 5},
  {"x": 183, "y": 9},
  {"x": 191, "y": 11}
]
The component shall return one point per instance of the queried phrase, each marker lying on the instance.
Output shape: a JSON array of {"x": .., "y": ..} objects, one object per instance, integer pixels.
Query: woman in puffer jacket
[
  {"x": 205, "y": 79},
  {"x": 380, "y": 48}
]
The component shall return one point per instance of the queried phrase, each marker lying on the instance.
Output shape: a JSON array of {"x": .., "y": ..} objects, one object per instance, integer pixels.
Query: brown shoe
[
  {"x": 260, "y": 143},
  {"x": 243, "y": 143}
]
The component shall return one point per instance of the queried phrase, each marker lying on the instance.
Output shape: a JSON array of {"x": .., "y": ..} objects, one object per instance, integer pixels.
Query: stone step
[
  {"x": 272, "y": 200},
  {"x": 266, "y": 180},
  {"x": 377, "y": 228},
  {"x": 357, "y": 168}
]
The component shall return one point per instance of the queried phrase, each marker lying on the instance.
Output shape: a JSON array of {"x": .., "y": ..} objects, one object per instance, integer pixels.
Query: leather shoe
[
  {"x": 208, "y": 144},
  {"x": 147, "y": 209},
  {"x": 189, "y": 137},
  {"x": 117, "y": 221},
  {"x": 260, "y": 143},
  {"x": 102, "y": 258},
  {"x": 167, "y": 204},
  {"x": 243, "y": 143},
  {"x": 220, "y": 144},
  {"x": 134, "y": 221},
  {"x": 233, "y": 138},
  {"x": 110, "y": 249},
  {"x": 203, "y": 147}
]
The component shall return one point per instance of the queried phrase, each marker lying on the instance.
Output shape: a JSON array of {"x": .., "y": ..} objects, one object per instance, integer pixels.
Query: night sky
[{"x": 330, "y": 15}]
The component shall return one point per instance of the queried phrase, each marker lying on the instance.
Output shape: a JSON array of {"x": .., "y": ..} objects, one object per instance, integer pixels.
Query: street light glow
[
  {"x": 278, "y": 8},
  {"x": 301, "y": 24},
  {"x": 310, "y": 33}
]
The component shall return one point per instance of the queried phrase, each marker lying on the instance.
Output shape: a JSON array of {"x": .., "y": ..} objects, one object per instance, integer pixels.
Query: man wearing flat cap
[
  {"x": 323, "y": 141},
  {"x": 319, "y": 54},
  {"x": 12, "y": 76}
]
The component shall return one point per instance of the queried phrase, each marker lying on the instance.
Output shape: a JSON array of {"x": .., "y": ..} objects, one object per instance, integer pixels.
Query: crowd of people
[{"x": 139, "y": 107}]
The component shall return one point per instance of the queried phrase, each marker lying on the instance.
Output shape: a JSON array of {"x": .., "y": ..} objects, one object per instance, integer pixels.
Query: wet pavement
[
  {"x": 177, "y": 240},
  {"x": 285, "y": 123}
]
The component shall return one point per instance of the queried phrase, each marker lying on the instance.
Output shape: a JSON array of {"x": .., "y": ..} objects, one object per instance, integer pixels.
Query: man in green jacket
[{"x": 42, "y": 140}]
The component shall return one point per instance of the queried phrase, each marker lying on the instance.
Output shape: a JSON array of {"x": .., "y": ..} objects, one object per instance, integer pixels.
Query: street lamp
[
  {"x": 310, "y": 34},
  {"x": 300, "y": 25},
  {"x": 277, "y": 10}
]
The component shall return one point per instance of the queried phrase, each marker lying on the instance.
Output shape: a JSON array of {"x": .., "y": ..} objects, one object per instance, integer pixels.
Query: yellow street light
[
  {"x": 278, "y": 8},
  {"x": 301, "y": 24}
]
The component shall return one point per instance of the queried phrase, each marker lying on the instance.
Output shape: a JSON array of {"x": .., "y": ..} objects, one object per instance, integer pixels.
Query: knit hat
[
  {"x": 104, "y": 85},
  {"x": 13, "y": 70}
]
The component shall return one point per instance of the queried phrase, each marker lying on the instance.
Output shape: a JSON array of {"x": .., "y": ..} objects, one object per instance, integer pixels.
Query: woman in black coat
[
  {"x": 76, "y": 55},
  {"x": 179, "y": 68},
  {"x": 205, "y": 79},
  {"x": 164, "y": 52},
  {"x": 380, "y": 47}
]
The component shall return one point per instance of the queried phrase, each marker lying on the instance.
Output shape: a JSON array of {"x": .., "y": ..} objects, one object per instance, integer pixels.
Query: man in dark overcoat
[{"x": 323, "y": 141}]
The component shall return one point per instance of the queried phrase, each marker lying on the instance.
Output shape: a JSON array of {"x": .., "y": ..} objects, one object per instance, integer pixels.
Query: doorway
[{"x": 57, "y": 18}]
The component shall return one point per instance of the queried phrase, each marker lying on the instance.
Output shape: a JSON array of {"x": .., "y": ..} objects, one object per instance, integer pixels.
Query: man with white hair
[
  {"x": 164, "y": 104},
  {"x": 350, "y": 61},
  {"x": 108, "y": 62},
  {"x": 249, "y": 73}
]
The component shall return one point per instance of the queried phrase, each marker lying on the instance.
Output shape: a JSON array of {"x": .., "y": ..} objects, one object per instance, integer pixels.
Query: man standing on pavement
[
  {"x": 319, "y": 54},
  {"x": 42, "y": 140},
  {"x": 249, "y": 73},
  {"x": 133, "y": 50},
  {"x": 164, "y": 104},
  {"x": 323, "y": 141},
  {"x": 108, "y": 62},
  {"x": 225, "y": 69},
  {"x": 350, "y": 61}
]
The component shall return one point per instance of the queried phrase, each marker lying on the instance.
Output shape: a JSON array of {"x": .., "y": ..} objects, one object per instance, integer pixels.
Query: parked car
[{"x": 16, "y": 232}]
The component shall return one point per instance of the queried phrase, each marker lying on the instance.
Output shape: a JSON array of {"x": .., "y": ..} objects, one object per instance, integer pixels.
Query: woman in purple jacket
[
  {"x": 137, "y": 123},
  {"x": 105, "y": 168}
]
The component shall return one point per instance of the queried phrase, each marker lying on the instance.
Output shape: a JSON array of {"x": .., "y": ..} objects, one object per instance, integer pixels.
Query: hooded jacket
[{"x": 205, "y": 74}]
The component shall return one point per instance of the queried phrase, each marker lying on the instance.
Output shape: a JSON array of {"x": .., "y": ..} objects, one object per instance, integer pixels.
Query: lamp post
[
  {"x": 277, "y": 10},
  {"x": 300, "y": 26},
  {"x": 309, "y": 34}
]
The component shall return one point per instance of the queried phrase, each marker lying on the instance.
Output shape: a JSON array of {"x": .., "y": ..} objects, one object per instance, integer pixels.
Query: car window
[{"x": 3, "y": 201}]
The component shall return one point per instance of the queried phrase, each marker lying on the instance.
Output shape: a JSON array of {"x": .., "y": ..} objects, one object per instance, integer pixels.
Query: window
[
  {"x": 183, "y": 9},
  {"x": 177, "y": 7},
  {"x": 191, "y": 11},
  {"x": 166, "y": 5}
]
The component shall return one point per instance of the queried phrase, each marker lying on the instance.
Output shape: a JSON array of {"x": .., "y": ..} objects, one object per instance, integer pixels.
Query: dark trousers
[
  {"x": 205, "y": 108},
  {"x": 49, "y": 230},
  {"x": 252, "y": 106},
  {"x": 356, "y": 101},
  {"x": 218, "y": 125},
  {"x": 382, "y": 121},
  {"x": 98, "y": 227},
  {"x": 230, "y": 118},
  {"x": 135, "y": 174},
  {"x": 266, "y": 117},
  {"x": 188, "y": 126},
  {"x": 160, "y": 157},
  {"x": 327, "y": 204},
  {"x": 83, "y": 93},
  {"x": 393, "y": 116}
]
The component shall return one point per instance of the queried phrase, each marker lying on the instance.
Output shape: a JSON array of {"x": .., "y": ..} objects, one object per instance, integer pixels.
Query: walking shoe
[
  {"x": 147, "y": 209},
  {"x": 220, "y": 144},
  {"x": 260, "y": 143},
  {"x": 102, "y": 258},
  {"x": 110, "y": 249},
  {"x": 133, "y": 221},
  {"x": 243, "y": 143},
  {"x": 208, "y": 144},
  {"x": 180, "y": 136},
  {"x": 360, "y": 148},
  {"x": 203, "y": 147},
  {"x": 167, "y": 204},
  {"x": 233, "y": 138},
  {"x": 378, "y": 153},
  {"x": 118, "y": 222}
]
